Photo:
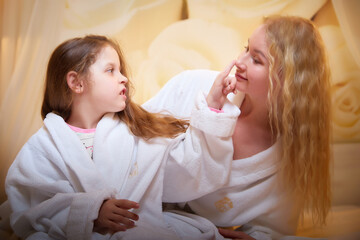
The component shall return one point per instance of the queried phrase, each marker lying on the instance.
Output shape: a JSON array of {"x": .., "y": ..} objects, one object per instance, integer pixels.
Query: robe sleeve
[
  {"x": 177, "y": 97},
  {"x": 43, "y": 200},
  {"x": 200, "y": 160}
]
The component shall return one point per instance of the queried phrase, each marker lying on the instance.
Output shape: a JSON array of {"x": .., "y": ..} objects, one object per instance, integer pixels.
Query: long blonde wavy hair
[
  {"x": 299, "y": 98},
  {"x": 78, "y": 54}
]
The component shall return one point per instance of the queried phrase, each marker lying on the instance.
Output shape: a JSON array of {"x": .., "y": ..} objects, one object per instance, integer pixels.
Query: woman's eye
[
  {"x": 246, "y": 48},
  {"x": 256, "y": 61}
]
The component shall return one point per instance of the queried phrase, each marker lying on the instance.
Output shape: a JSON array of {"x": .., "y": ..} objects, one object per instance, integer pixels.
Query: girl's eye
[{"x": 110, "y": 70}]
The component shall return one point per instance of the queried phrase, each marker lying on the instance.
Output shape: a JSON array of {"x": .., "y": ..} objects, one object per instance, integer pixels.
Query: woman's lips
[{"x": 240, "y": 77}]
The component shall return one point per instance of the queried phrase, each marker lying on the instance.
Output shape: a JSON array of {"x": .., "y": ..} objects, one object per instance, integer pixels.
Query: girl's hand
[
  {"x": 235, "y": 235},
  {"x": 114, "y": 216},
  {"x": 222, "y": 86}
]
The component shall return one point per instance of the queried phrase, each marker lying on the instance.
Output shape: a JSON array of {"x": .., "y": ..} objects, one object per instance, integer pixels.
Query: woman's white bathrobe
[
  {"x": 55, "y": 189},
  {"x": 253, "y": 195}
]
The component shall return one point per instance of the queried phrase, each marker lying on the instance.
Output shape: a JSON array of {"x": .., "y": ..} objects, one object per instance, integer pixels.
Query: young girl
[
  {"x": 282, "y": 138},
  {"x": 97, "y": 165}
]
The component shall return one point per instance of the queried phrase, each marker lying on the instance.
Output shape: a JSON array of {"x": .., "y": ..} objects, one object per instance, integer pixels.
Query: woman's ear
[{"x": 74, "y": 82}]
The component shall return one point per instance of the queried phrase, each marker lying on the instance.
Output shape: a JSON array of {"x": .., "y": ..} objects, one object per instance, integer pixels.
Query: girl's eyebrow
[
  {"x": 113, "y": 65},
  {"x": 110, "y": 64}
]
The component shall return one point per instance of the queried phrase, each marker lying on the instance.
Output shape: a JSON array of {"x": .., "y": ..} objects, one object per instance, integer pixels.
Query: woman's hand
[
  {"x": 222, "y": 86},
  {"x": 235, "y": 235},
  {"x": 114, "y": 216}
]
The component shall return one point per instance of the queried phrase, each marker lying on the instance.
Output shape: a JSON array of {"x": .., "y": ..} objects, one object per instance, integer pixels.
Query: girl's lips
[{"x": 123, "y": 91}]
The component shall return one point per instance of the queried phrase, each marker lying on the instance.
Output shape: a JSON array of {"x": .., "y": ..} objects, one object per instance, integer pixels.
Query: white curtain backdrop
[{"x": 161, "y": 38}]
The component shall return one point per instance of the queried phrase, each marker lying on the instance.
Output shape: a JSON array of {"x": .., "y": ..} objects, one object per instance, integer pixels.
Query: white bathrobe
[
  {"x": 252, "y": 197},
  {"x": 55, "y": 189}
]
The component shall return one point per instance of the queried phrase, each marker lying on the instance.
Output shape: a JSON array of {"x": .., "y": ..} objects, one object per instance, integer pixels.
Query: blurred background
[{"x": 161, "y": 38}]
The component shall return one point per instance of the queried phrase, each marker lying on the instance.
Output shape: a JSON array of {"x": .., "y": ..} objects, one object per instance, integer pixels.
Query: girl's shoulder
[{"x": 39, "y": 142}]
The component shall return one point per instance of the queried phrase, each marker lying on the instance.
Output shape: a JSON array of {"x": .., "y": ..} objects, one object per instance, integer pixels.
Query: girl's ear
[{"x": 74, "y": 82}]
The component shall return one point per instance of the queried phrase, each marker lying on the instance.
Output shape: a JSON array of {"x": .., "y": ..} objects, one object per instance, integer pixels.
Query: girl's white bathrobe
[
  {"x": 253, "y": 196},
  {"x": 55, "y": 189}
]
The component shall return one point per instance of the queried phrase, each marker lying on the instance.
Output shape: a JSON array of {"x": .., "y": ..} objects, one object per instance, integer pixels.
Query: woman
[{"x": 282, "y": 136}]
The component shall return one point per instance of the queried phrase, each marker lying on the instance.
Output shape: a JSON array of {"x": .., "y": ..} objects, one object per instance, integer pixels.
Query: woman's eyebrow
[
  {"x": 260, "y": 53},
  {"x": 257, "y": 51}
]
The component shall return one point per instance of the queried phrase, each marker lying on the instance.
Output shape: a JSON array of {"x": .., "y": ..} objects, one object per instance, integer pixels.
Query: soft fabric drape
[{"x": 161, "y": 38}]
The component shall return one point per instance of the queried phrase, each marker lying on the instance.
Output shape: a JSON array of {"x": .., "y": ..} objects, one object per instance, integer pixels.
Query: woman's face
[{"x": 252, "y": 68}]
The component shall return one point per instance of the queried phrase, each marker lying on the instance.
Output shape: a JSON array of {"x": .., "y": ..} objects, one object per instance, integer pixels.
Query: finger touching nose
[{"x": 240, "y": 64}]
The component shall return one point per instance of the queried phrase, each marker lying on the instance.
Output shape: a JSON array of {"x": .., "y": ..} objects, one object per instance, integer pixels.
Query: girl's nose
[{"x": 123, "y": 79}]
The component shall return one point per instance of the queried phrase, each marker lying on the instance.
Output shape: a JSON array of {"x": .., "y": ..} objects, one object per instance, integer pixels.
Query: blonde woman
[{"x": 280, "y": 167}]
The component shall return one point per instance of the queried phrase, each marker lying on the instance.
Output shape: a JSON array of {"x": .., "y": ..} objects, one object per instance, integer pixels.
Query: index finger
[
  {"x": 233, "y": 234},
  {"x": 126, "y": 204},
  {"x": 227, "y": 70}
]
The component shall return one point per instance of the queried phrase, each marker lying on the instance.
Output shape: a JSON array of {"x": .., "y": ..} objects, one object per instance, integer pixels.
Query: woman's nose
[{"x": 240, "y": 64}]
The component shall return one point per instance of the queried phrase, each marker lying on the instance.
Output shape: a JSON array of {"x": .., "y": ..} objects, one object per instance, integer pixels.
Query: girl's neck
[
  {"x": 83, "y": 115},
  {"x": 82, "y": 120},
  {"x": 81, "y": 124}
]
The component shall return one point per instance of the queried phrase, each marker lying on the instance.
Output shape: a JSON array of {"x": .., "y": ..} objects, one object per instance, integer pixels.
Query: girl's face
[
  {"x": 106, "y": 86},
  {"x": 252, "y": 68}
]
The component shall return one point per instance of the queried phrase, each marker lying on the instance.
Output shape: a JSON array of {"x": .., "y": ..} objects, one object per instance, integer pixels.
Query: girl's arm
[
  {"x": 222, "y": 86},
  {"x": 200, "y": 160},
  {"x": 114, "y": 216}
]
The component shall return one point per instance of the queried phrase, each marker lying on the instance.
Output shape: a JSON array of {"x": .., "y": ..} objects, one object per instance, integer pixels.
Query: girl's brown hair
[
  {"x": 78, "y": 54},
  {"x": 299, "y": 98}
]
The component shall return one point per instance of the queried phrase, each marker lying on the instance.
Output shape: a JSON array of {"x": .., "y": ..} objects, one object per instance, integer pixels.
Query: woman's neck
[{"x": 252, "y": 132}]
